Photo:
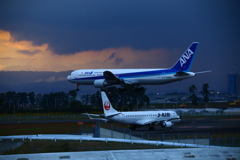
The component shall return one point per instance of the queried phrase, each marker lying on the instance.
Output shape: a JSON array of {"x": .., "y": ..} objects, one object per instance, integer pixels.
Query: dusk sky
[{"x": 59, "y": 35}]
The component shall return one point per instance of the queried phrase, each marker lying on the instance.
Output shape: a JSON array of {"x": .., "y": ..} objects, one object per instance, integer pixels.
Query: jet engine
[
  {"x": 167, "y": 124},
  {"x": 100, "y": 83}
]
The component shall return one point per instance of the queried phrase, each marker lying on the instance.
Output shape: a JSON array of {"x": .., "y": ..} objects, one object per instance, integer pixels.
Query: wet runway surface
[
  {"x": 196, "y": 125},
  {"x": 200, "y": 125}
]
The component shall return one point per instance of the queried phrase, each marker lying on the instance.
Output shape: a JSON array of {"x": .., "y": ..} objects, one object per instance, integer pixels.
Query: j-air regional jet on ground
[
  {"x": 165, "y": 119},
  {"x": 102, "y": 78}
]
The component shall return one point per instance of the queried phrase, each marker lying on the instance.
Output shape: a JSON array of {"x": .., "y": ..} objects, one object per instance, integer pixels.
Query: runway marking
[
  {"x": 228, "y": 120},
  {"x": 184, "y": 127},
  {"x": 205, "y": 127},
  {"x": 203, "y": 118},
  {"x": 195, "y": 127}
]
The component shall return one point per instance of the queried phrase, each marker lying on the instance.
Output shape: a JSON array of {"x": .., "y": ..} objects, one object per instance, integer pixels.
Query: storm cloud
[{"x": 60, "y": 35}]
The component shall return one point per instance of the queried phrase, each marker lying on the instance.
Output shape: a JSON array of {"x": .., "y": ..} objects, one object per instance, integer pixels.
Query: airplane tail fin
[
  {"x": 185, "y": 61},
  {"x": 107, "y": 106}
]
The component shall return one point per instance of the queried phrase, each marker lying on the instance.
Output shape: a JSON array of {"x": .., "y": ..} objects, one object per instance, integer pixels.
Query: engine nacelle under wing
[
  {"x": 167, "y": 124},
  {"x": 100, "y": 83}
]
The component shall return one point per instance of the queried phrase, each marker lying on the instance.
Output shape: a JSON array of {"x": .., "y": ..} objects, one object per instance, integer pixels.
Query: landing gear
[
  {"x": 139, "y": 89},
  {"x": 103, "y": 89},
  {"x": 77, "y": 89}
]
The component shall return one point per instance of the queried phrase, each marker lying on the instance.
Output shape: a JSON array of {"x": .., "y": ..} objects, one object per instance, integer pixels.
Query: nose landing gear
[{"x": 77, "y": 89}]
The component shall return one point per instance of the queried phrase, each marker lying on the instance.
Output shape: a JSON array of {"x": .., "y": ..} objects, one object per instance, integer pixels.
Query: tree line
[
  {"x": 12, "y": 102},
  {"x": 205, "y": 93}
]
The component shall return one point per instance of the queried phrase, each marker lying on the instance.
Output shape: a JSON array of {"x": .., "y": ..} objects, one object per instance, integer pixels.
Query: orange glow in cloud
[{"x": 24, "y": 56}]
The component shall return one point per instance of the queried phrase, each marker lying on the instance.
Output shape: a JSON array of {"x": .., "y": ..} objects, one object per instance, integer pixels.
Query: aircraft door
[
  {"x": 162, "y": 75},
  {"x": 123, "y": 117},
  {"x": 75, "y": 75}
]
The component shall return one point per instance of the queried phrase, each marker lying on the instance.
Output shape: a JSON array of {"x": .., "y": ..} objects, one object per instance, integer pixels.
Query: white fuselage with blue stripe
[
  {"x": 101, "y": 78},
  {"x": 133, "y": 76}
]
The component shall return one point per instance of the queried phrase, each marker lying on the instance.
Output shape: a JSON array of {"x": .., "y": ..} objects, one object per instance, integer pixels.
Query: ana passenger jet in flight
[
  {"x": 102, "y": 78},
  {"x": 165, "y": 119}
]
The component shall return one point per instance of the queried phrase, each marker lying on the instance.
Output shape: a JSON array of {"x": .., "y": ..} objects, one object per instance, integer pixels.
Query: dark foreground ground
[{"x": 223, "y": 127}]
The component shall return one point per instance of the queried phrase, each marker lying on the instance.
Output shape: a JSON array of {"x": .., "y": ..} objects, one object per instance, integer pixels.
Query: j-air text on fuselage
[
  {"x": 165, "y": 119},
  {"x": 101, "y": 78}
]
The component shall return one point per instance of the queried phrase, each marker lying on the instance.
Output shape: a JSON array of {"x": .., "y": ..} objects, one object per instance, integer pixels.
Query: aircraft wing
[
  {"x": 146, "y": 122},
  {"x": 113, "y": 114},
  {"x": 113, "y": 79},
  {"x": 110, "y": 77}
]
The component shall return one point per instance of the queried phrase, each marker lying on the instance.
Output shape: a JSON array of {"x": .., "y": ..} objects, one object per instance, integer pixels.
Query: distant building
[{"x": 234, "y": 84}]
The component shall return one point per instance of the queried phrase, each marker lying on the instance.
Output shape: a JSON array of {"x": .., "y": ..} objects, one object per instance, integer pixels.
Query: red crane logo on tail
[{"x": 107, "y": 105}]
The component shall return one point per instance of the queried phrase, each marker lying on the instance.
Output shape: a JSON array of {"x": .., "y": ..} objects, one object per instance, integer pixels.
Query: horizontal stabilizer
[
  {"x": 96, "y": 115},
  {"x": 97, "y": 119},
  {"x": 180, "y": 73},
  {"x": 202, "y": 72}
]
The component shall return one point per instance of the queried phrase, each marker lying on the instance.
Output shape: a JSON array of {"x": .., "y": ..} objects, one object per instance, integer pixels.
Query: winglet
[
  {"x": 107, "y": 106},
  {"x": 185, "y": 61}
]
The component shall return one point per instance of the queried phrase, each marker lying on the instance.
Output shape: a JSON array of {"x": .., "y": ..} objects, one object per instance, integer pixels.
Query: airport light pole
[{"x": 165, "y": 103}]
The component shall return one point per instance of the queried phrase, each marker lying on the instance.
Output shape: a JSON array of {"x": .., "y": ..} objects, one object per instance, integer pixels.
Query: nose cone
[
  {"x": 69, "y": 78},
  {"x": 179, "y": 118}
]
